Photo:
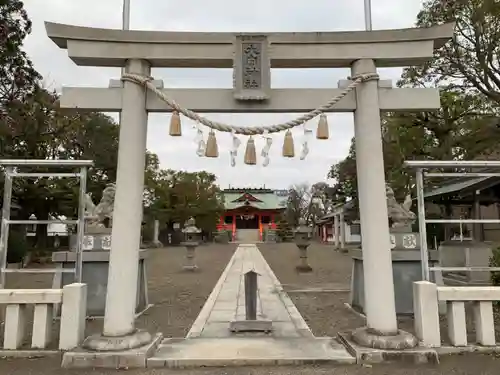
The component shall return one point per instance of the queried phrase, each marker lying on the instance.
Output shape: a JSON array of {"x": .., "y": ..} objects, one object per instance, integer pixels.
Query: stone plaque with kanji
[
  {"x": 92, "y": 242},
  {"x": 88, "y": 243},
  {"x": 405, "y": 241},
  {"x": 252, "y": 68}
]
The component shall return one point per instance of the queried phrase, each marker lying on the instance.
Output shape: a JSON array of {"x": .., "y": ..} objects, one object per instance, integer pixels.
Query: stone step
[{"x": 235, "y": 351}]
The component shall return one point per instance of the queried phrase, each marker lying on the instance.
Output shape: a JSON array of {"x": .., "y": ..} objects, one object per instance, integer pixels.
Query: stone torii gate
[{"x": 139, "y": 51}]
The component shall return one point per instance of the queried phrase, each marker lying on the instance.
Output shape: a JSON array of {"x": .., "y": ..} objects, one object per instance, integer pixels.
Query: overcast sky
[{"x": 222, "y": 15}]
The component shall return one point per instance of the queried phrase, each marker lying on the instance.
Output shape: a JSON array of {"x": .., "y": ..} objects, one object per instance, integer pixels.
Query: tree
[
  {"x": 461, "y": 129},
  {"x": 18, "y": 78},
  {"x": 471, "y": 59},
  {"x": 40, "y": 130},
  {"x": 175, "y": 196},
  {"x": 308, "y": 203}
]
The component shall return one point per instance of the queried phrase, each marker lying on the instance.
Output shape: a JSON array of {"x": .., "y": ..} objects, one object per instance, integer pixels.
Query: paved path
[
  {"x": 227, "y": 301},
  {"x": 210, "y": 342}
]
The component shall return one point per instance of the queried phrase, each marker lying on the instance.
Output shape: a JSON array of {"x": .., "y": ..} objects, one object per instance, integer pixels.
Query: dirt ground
[{"x": 179, "y": 296}]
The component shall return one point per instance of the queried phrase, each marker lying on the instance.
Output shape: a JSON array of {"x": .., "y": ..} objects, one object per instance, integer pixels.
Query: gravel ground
[
  {"x": 324, "y": 312},
  {"x": 472, "y": 364},
  {"x": 178, "y": 296}
]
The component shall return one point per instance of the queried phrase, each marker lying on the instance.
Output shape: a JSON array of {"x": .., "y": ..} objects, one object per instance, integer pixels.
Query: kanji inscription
[
  {"x": 88, "y": 242},
  {"x": 409, "y": 241},
  {"x": 106, "y": 242},
  {"x": 251, "y": 65},
  {"x": 252, "y": 68}
]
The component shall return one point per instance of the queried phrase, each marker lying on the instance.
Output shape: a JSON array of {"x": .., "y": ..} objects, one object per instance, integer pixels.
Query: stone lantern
[
  {"x": 302, "y": 237},
  {"x": 192, "y": 238}
]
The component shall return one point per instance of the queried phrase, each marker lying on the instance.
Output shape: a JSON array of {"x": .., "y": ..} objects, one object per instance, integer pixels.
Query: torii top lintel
[{"x": 110, "y": 47}]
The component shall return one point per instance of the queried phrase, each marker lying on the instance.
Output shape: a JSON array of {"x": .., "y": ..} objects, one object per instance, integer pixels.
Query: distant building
[{"x": 251, "y": 211}]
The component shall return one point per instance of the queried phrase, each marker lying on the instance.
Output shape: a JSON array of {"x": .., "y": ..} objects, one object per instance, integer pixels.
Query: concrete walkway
[{"x": 210, "y": 342}]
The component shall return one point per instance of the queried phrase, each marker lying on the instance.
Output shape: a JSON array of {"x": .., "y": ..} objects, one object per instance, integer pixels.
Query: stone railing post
[
  {"x": 425, "y": 306},
  {"x": 73, "y": 315}
]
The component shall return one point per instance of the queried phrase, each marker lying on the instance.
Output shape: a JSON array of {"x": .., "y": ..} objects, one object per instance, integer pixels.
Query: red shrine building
[{"x": 250, "y": 212}]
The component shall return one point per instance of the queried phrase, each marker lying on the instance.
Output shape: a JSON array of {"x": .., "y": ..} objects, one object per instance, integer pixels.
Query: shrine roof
[{"x": 261, "y": 199}]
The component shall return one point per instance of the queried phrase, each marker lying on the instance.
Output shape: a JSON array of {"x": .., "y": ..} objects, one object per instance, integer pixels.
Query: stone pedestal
[
  {"x": 466, "y": 253},
  {"x": 303, "y": 265},
  {"x": 95, "y": 266},
  {"x": 190, "y": 264},
  {"x": 406, "y": 268}
]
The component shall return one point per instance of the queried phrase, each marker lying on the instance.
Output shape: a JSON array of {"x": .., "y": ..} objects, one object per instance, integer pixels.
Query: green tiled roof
[{"x": 268, "y": 201}]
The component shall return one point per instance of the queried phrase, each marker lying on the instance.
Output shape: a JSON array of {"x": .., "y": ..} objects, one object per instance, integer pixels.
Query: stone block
[
  {"x": 457, "y": 329},
  {"x": 407, "y": 269},
  {"x": 134, "y": 358},
  {"x": 29, "y": 296},
  {"x": 251, "y": 326},
  {"x": 15, "y": 324},
  {"x": 469, "y": 293},
  {"x": 73, "y": 315},
  {"x": 425, "y": 306},
  {"x": 484, "y": 323},
  {"x": 42, "y": 326},
  {"x": 95, "y": 274}
]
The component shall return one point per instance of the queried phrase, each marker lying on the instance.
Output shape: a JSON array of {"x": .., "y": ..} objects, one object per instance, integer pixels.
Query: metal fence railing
[
  {"x": 421, "y": 167},
  {"x": 11, "y": 171}
]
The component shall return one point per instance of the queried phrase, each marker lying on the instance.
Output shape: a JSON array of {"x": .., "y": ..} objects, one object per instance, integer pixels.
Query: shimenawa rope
[{"x": 146, "y": 81}]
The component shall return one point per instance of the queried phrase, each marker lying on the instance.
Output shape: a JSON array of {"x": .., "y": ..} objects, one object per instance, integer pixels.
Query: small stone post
[
  {"x": 251, "y": 295},
  {"x": 251, "y": 323},
  {"x": 302, "y": 239},
  {"x": 192, "y": 237},
  {"x": 336, "y": 230},
  {"x": 156, "y": 234}
]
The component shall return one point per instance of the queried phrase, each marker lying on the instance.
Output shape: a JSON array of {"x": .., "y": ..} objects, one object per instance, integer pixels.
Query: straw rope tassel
[
  {"x": 288, "y": 145},
  {"x": 322, "y": 132},
  {"x": 212, "y": 150},
  {"x": 175, "y": 125},
  {"x": 250, "y": 153}
]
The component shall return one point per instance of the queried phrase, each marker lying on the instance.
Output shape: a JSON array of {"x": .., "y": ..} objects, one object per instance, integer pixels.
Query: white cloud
[{"x": 221, "y": 15}]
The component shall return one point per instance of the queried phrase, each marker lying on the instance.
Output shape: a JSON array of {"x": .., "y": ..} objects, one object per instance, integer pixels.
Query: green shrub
[
  {"x": 17, "y": 247},
  {"x": 223, "y": 236},
  {"x": 284, "y": 231}
]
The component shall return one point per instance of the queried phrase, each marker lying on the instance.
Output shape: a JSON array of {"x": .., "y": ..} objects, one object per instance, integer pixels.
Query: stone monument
[
  {"x": 96, "y": 248},
  {"x": 405, "y": 251}
]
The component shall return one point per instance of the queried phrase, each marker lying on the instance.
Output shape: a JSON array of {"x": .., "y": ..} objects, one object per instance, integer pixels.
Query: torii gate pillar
[{"x": 377, "y": 262}]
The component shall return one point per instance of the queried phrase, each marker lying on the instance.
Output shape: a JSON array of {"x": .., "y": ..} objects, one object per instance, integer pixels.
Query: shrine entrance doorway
[{"x": 247, "y": 221}]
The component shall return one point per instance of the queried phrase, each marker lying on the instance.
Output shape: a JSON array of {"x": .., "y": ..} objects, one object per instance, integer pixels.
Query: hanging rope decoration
[
  {"x": 234, "y": 149},
  {"x": 305, "y": 140},
  {"x": 267, "y": 147},
  {"x": 200, "y": 151},
  {"x": 210, "y": 148}
]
